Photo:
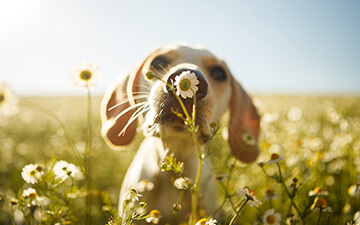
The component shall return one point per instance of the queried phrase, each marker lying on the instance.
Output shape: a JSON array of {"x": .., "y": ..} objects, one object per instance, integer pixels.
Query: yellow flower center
[
  {"x": 155, "y": 213},
  {"x": 85, "y": 75},
  {"x": 32, "y": 195},
  {"x": 33, "y": 172},
  {"x": 317, "y": 190},
  {"x": 270, "y": 219},
  {"x": 275, "y": 156},
  {"x": 270, "y": 192},
  {"x": 321, "y": 203},
  {"x": 202, "y": 221},
  {"x": 2, "y": 97},
  {"x": 185, "y": 84}
]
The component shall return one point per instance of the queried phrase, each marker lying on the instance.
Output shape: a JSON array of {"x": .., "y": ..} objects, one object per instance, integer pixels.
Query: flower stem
[
  {"x": 288, "y": 193},
  {"x": 318, "y": 222},
  {"x": 237, "y": 213},
  {"x": 87, "y": 158}
]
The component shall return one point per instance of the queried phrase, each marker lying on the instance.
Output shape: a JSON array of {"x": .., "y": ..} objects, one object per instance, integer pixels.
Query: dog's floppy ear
[
  {"x": 243, "y": 125},
  {"x": 115, "y": 111}
]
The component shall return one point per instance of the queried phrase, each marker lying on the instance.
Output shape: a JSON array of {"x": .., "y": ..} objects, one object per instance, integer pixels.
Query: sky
[{"x": 272, "y": 47}]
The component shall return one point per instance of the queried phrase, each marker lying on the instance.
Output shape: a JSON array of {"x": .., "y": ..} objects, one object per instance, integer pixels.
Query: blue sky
[{"x": 280, "y": 46}]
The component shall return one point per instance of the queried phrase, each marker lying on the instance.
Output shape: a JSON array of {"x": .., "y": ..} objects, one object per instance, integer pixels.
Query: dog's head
[{"x": 218, "y": 91}]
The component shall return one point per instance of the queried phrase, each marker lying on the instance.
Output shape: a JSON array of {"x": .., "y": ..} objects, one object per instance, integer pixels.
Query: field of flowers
[{"x": 56, "y": 169}]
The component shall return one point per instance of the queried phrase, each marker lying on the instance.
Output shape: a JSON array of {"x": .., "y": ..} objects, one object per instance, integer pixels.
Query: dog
[{"x": 135, "y": 99}]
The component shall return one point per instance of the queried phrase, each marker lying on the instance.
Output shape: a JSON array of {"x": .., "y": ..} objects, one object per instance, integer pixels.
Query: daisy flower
[
  {"x": 248, "y": 139},
  {"x": 250, "y": 196},
  {"x": 320, "y": 203},
  {"x": 63, "y": 170},
  {"x": 8, "y": 101},
  {"x": 145, "y": 185},
  {"x": 86, "y": 75},
  {"x": 272, "y": 218},
  {"x": 204, "y": 221},
  {"x": 318, "y": 192},
  {"x": 154, "y": 216},
  {"x": 29, "y": 193},
  {"x": 274, "y": 158},
  {"x": 185, "y": 84},
  {"x": 31, "y": 173},
  {"x": 132, "y": 195},
  {"x": 182, "y": 183}
]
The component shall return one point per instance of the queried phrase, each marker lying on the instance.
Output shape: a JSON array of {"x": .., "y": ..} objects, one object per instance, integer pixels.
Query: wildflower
[
  {"x": 63, "y": 170},
  {"x": 185, "y": 84},
  {"x": 132, "y": 195},
  {"x": 354, "y": 190},
  {"x": 270, "y": 194},
  {"x": 320, "y": 203},
  {"x": 182, "y": 183},
  {"x": 176, "y": 208},
  {"x": 274, "y": 158},
  {"x": 145, "y": 185},
  {"x": 204, "y": 221},
  {"x": 318, "y": 192},
  {"x": 8, "y": 101},
  {"x": 248, "y": 139},
  {"x": 30, "y": 193},
  {"x": 250, "y": 196},
  {"x": 271, "y": 217},
  {"x": 357, "y": 217},
  {"x": 150, "y": 75},
  {"x": 154, "y": 216},
  {"x": 14, "y": 202},
  {"x": 31, "y": 173},
  {"x": 86, "y": 75}
]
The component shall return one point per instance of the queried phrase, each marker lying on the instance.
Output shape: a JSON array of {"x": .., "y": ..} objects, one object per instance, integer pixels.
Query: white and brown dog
[{"x": 134, "y": 95}]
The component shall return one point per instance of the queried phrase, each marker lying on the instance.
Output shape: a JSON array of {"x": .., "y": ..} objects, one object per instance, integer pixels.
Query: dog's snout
[{"x": 202, "y": 85}]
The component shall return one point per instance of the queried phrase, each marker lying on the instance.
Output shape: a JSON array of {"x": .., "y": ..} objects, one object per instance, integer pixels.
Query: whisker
[
  {"x": 126, "y": 101},
  {"x": 130, "y": 108},
  {"x": 136, "y": 114}
]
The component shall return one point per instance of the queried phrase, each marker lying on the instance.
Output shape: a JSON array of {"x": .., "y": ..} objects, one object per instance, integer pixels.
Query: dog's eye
[
  {"x": 159, "y": 63},
  {"x": 218, "y": 73}
]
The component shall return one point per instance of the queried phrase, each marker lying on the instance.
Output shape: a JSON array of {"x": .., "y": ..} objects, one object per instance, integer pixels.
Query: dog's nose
[{"x": 202, "y": 85}]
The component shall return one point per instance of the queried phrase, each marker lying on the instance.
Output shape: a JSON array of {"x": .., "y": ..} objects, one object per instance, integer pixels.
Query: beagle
[{"x": 136, "y": 100}]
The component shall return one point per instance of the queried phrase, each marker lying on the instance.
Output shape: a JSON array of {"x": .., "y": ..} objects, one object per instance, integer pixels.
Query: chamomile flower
[
  {"x": 86, "y": 75},
  {"x": 182, "y": 183},
  {"x": 63, "y": 170},
  {"x": 250, "y": 196},
  {"x": 248, "y": 139},
  {"x": 132, "y": 195},
  {"x": 318, "y": 192},
  {"x": 185, "y": 84},
  {"x": 30, "y": 193},
  {"x": 272, "y": 218},
  {"x": 321, "y": 203},
  {"x": 204, "y": 221},
  {"x": 145, "y": 185},
  {"x": 31, "y": 173},
  {"x": 8, "y": 101},
  {"x": 154, "y": 216},
  {"x": 274, "y": 158}
]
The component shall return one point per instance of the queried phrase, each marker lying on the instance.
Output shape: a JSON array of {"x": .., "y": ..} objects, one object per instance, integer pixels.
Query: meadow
[{"x": 308, "y": 170}]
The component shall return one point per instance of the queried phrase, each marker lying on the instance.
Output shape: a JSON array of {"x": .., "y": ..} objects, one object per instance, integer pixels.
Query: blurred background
[{"x": 299, "y": 47}]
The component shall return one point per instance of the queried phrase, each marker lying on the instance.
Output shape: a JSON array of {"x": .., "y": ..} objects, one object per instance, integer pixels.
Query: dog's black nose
[{"x": 192, "y": 76}]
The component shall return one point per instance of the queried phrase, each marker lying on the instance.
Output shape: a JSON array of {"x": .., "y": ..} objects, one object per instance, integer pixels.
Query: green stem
[
  {"x": 237, "y": 213},
  {"x": 288, "y": 193},
  {"x": 87, "y": 158},
  {"x": 318, "y": 222},
  {"x": 12, "y": 215}
]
